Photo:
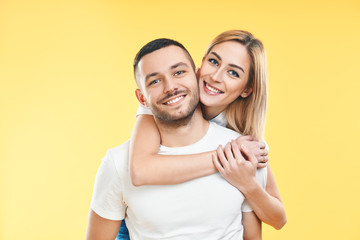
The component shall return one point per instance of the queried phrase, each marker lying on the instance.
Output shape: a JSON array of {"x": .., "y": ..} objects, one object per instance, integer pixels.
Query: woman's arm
[
  {"x": 147, "y": 167},
  {"x": 252, "y": 226},
  {"x": 267, "y": 203},
  {"x": 241, "y": 173}
]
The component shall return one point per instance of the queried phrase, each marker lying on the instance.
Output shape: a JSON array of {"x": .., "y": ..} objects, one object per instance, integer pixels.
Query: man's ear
[
  {"x": 140, "y": 97},
  {"x": 246, "y": 92}
]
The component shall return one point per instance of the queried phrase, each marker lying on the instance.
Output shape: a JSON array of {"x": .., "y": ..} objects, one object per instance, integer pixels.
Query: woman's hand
[
  {"x": 257, "y": 148},
  {"x": 233, "y": 166}
]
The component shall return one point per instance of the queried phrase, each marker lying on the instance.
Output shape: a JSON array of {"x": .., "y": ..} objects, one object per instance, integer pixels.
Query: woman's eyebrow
[
  {"x": 236, "y": 66},
  {"x": 217, "y": 55},
  {"x": 232, "y": 65}
]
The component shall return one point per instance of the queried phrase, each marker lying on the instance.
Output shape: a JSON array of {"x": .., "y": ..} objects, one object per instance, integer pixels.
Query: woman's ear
[
  {"x": 246, "y": 92},
  {"x": 197, "y": 71},
  {"x": 140, "y": 97}
]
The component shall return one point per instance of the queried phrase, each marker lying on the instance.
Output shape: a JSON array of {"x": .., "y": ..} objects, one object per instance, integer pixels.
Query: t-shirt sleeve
[
  {"x": 143, "y": 110},
  {"x": 107, "y": 200},
  {"x": 261, "y": 177}
]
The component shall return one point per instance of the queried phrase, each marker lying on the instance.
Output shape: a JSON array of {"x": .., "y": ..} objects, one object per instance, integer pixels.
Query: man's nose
[{"x": 170, "y": 85}]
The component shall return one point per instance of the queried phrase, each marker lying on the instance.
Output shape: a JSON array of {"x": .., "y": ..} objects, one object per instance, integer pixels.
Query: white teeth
[
  {"x": 213, "y": 89},
  {"x": 175, "y": 100}
]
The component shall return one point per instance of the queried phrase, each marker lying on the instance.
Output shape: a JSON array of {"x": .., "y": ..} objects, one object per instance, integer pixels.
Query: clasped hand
[{"x": 237, "y": 162}]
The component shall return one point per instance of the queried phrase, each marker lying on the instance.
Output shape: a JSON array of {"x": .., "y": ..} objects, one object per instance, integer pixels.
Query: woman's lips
[{"x": 211, "y": 90}]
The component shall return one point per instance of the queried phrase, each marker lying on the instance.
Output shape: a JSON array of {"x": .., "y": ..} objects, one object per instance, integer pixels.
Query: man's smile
[{"x": 175, "y": 100}]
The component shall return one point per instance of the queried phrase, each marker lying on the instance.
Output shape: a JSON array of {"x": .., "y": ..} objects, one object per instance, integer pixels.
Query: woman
[{"x": 233, "y": 93}]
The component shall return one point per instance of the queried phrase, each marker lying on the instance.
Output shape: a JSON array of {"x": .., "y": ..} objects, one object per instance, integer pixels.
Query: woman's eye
[
  {"x": 214, "y": 61},
  {"x": 154, "y": 82},
  {"x": 233, "y": 73},
  {"x": 178, "y": 73}
]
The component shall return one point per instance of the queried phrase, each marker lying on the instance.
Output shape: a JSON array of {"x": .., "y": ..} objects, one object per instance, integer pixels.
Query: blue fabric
[{"x": 123, "y": 232}]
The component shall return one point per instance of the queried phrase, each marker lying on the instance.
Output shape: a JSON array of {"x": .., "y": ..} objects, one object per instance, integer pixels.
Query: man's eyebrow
[
  {"x": 179, "y": 64},
  {"x": 171, "y": 67},
  {"x": 150, "y": 75},
  {"x": 232, "y": 65}
]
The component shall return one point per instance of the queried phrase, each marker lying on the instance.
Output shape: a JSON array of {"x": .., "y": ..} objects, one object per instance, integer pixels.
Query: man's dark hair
[{"x": 156, "y": 45}]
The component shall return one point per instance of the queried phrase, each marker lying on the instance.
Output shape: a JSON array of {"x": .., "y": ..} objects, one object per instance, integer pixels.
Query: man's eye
[
  {"x": 233, "y": 73},
  {"x": 154, "y": 82},
  {"x": 214, "y": 61},
  {"x": 178, "y": 73}
]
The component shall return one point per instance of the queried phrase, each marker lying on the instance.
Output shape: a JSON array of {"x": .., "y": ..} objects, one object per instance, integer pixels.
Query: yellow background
[{"x": 67, "y": 95}]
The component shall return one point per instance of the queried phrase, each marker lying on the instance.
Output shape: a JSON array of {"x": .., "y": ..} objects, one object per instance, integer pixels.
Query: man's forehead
[{"x": 162, "y": 60}]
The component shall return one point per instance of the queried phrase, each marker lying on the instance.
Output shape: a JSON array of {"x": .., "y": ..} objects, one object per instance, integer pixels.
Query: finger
[
  {"x": 250, "y": 156},
  {"x": 262, "y": 145},
  {"x": 236, "y": 150},
  {"x": 261, "y": 165},
  {"x": 217, "y": 164},
  {"x": 262, "y": 159},
  {"x": 222, "y": 158},
  {"x": 264, "y": 152},
  {"x": 229, "y": 154}
]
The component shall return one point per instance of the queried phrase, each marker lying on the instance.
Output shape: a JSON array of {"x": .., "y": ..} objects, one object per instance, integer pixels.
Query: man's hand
[{"x": 258, "y": 149}]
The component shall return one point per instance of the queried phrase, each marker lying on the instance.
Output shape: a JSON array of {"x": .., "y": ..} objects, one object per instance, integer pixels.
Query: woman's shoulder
[{"x": 220, "y": 119}]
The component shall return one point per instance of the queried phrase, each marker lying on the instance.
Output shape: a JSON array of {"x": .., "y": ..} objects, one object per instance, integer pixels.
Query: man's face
[{"x": 168, "y": 83}]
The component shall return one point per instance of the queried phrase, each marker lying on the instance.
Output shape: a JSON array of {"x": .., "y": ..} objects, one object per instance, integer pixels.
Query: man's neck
[{"x": 183, "y": 135}]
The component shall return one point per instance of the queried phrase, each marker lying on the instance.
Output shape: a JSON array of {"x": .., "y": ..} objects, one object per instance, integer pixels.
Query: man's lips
[
  {"x": 174, "y": 100},
  {"x": 211, "y": 90}
]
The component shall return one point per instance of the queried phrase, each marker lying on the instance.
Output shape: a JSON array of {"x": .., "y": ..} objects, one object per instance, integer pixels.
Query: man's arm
[
  {"x": 252, "y": 226},
  {"x": 100, "y": 228},
  {"x": 107, "y": 204}
]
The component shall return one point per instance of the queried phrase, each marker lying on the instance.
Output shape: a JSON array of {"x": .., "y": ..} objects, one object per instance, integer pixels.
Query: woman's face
[{"x": 223, "y": 76}]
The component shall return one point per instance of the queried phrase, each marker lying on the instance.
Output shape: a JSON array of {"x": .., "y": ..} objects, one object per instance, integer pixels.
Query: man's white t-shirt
[
  {"x": 220, "y": 119},
  {"x": 204, "y": 208}
]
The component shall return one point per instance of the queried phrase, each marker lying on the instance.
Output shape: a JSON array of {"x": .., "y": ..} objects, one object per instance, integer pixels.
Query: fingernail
[{"x": 243, "y": 147}]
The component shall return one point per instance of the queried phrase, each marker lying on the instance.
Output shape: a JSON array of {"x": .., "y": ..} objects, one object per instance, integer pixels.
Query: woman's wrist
[{"x": 251, "y": 187}]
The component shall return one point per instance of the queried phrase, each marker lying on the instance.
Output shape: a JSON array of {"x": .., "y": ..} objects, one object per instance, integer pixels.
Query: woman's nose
[{"x": 217, "y": 75}]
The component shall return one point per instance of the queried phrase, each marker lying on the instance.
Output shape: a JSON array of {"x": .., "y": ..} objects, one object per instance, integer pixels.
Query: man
[{"x": 204, "y": 208}]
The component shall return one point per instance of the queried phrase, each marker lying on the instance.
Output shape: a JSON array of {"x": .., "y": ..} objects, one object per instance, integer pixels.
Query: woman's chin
[{"x": 208, "y": 101}]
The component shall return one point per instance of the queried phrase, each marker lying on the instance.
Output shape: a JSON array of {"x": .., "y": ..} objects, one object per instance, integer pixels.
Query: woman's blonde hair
[{"x": 248, "y": 115}]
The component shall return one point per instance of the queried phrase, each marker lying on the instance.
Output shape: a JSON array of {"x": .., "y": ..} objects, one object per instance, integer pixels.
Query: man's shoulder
[
  {"x": 119, "y": 155},
  {"x": 121, "y": 149}
]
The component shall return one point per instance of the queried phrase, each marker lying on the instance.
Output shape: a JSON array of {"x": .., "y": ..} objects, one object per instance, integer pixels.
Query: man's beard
[{"x": 175, "y": 121}]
